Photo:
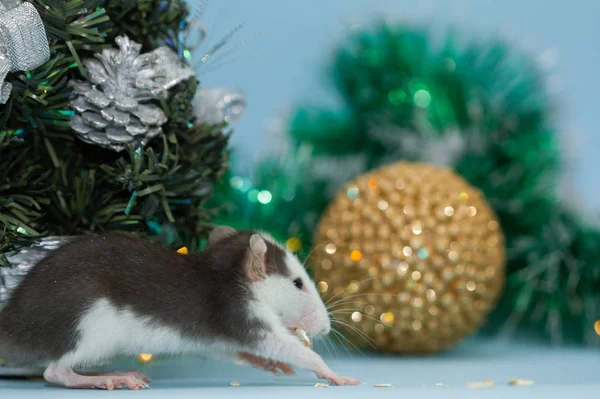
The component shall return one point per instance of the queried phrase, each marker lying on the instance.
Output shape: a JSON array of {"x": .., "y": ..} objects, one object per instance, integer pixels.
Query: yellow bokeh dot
[
  {"x": 372, "y": 183},
  {"x": 471, "y": 285},
  {"x": 330, "y": 248},
  {"x": 353, "y": 287},
  {"x": 387, "y": 317},
  {"x": 356, "y": 255},
  {"x": 144, "y": 357},
  {"x": 416, "y": 325},
  {"x": 597, "y": 327},
  {"x": 417, "y": 229},
  {"x": 356, "y": 317},
  {"x": 463, "y": 196},
  {"x": 183, "y": 251},
  {"x": 293, "y": 244},
  {"x": 322, "y": 287},
  {"x": 383, "y": 205}
]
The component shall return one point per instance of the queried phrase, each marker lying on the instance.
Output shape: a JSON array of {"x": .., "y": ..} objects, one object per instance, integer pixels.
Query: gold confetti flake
[
  {"x": 144, "y": 357},
  {"x": 234, "y": 384},
  {"x": 481, "y": 384},
  {"x": 520, "y": 381}
]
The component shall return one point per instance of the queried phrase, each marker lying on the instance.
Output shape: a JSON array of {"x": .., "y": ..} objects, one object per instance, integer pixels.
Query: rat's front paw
[
  {"x": 338, "y": 379},
  {"x": 265, "y": 364}
]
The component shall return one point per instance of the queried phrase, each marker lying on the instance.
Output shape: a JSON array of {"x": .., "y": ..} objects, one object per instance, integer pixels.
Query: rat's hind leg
[{"x": 66, "y": 377}]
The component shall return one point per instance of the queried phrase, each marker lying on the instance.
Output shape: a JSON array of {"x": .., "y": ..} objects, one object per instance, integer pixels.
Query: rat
[{"x": 106, "y": 295}]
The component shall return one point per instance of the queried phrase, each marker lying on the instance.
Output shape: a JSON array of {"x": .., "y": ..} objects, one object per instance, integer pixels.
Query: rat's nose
[{"x": 325, "y": 331}]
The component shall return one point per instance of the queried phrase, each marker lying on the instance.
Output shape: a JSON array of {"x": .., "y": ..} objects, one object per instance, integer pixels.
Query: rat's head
[{"x": 279, "y": 281}]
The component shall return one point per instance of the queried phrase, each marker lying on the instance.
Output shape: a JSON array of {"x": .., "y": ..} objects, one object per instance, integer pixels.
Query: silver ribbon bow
[{"x": 23, "y": 41}]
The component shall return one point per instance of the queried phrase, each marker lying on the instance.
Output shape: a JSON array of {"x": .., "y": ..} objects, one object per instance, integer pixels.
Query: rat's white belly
[{"x": 106, "y": 332}]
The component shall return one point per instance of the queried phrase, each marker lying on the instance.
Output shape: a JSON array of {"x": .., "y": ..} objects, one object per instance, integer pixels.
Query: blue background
[{"x": 286, "y": 65}]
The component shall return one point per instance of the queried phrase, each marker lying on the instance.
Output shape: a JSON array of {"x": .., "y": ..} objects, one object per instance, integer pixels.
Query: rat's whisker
[
  {"x": 310, "y": 253},
  {"x": 329, "y": 343},
  {"x": 341, "y": 300},
  {"x": 350, "y": 342},
  {"x": 347, "y": 303},
  {"x": 362, "y": 315},
  {"x": 337, "y": 336},
  {"x": 320, "y": 341},
  {"x": 325, "y": 340},
  {"x": 357, "y": 296},
  {"x": 333, "y": 346},
  {"x": 357, "y": 331},
  {"x": 358, "y": 283},
  {"x": 360, "y": 334}
]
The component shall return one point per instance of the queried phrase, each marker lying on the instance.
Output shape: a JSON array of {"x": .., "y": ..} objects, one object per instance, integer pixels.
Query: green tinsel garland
[
  {"x": 480, "y": 108},
  {"x": 53, "y": 184}
]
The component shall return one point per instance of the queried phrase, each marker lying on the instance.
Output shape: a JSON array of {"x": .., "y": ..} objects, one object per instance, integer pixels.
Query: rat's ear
[
  {"x": 219, "y": 233},
  {"x": 257, "y": 268}
]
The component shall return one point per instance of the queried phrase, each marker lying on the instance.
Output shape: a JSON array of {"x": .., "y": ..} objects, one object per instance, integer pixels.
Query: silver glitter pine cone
[{"x": 115, "y": 106}]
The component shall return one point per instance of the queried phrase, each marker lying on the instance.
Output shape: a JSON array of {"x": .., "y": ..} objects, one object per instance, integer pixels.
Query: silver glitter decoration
[
  {"x": 23, "y": 41},
  {"x": 5, "y": 87},
  {"x": 212, "y": 106},
  {"x": 116, "y": 106},
  {"x": 23, "y": 260}
]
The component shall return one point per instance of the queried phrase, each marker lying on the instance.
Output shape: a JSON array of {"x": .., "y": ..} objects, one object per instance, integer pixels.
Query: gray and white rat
[{"x": 105, "y": 295}]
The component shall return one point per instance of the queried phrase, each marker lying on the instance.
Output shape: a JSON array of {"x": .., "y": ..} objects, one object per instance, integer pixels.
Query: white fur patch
[
  {"x": 294, "y": 308},
  {"x": 106, "y": 332}
]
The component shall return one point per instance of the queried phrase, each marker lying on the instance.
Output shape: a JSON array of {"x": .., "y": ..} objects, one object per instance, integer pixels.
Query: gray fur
[{"x": 201, "y": 295}]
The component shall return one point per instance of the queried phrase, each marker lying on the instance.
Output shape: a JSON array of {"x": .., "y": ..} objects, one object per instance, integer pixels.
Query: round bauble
[{"x": 410, "y": 257}]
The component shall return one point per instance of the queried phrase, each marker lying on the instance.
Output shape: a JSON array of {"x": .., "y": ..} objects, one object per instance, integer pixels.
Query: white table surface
[{"x": 557, "y": 373}]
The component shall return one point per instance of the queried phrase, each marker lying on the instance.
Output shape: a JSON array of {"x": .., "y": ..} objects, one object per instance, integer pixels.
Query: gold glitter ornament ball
[{"x": 410, "y": 257}]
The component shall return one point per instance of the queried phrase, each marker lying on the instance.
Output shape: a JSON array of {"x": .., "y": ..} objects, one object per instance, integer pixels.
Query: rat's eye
[{"x": 298, "y": 283}]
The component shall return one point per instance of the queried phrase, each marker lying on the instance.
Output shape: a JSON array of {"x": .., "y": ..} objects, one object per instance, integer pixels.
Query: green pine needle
[{"x": 54, "y": 184}]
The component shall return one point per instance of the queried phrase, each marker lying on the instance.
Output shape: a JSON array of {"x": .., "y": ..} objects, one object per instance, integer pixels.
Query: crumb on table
[
  {"x": 521, "y": 381},
  {"x": 234, "y": 384},
  {"x": 481, "y": 384}
]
